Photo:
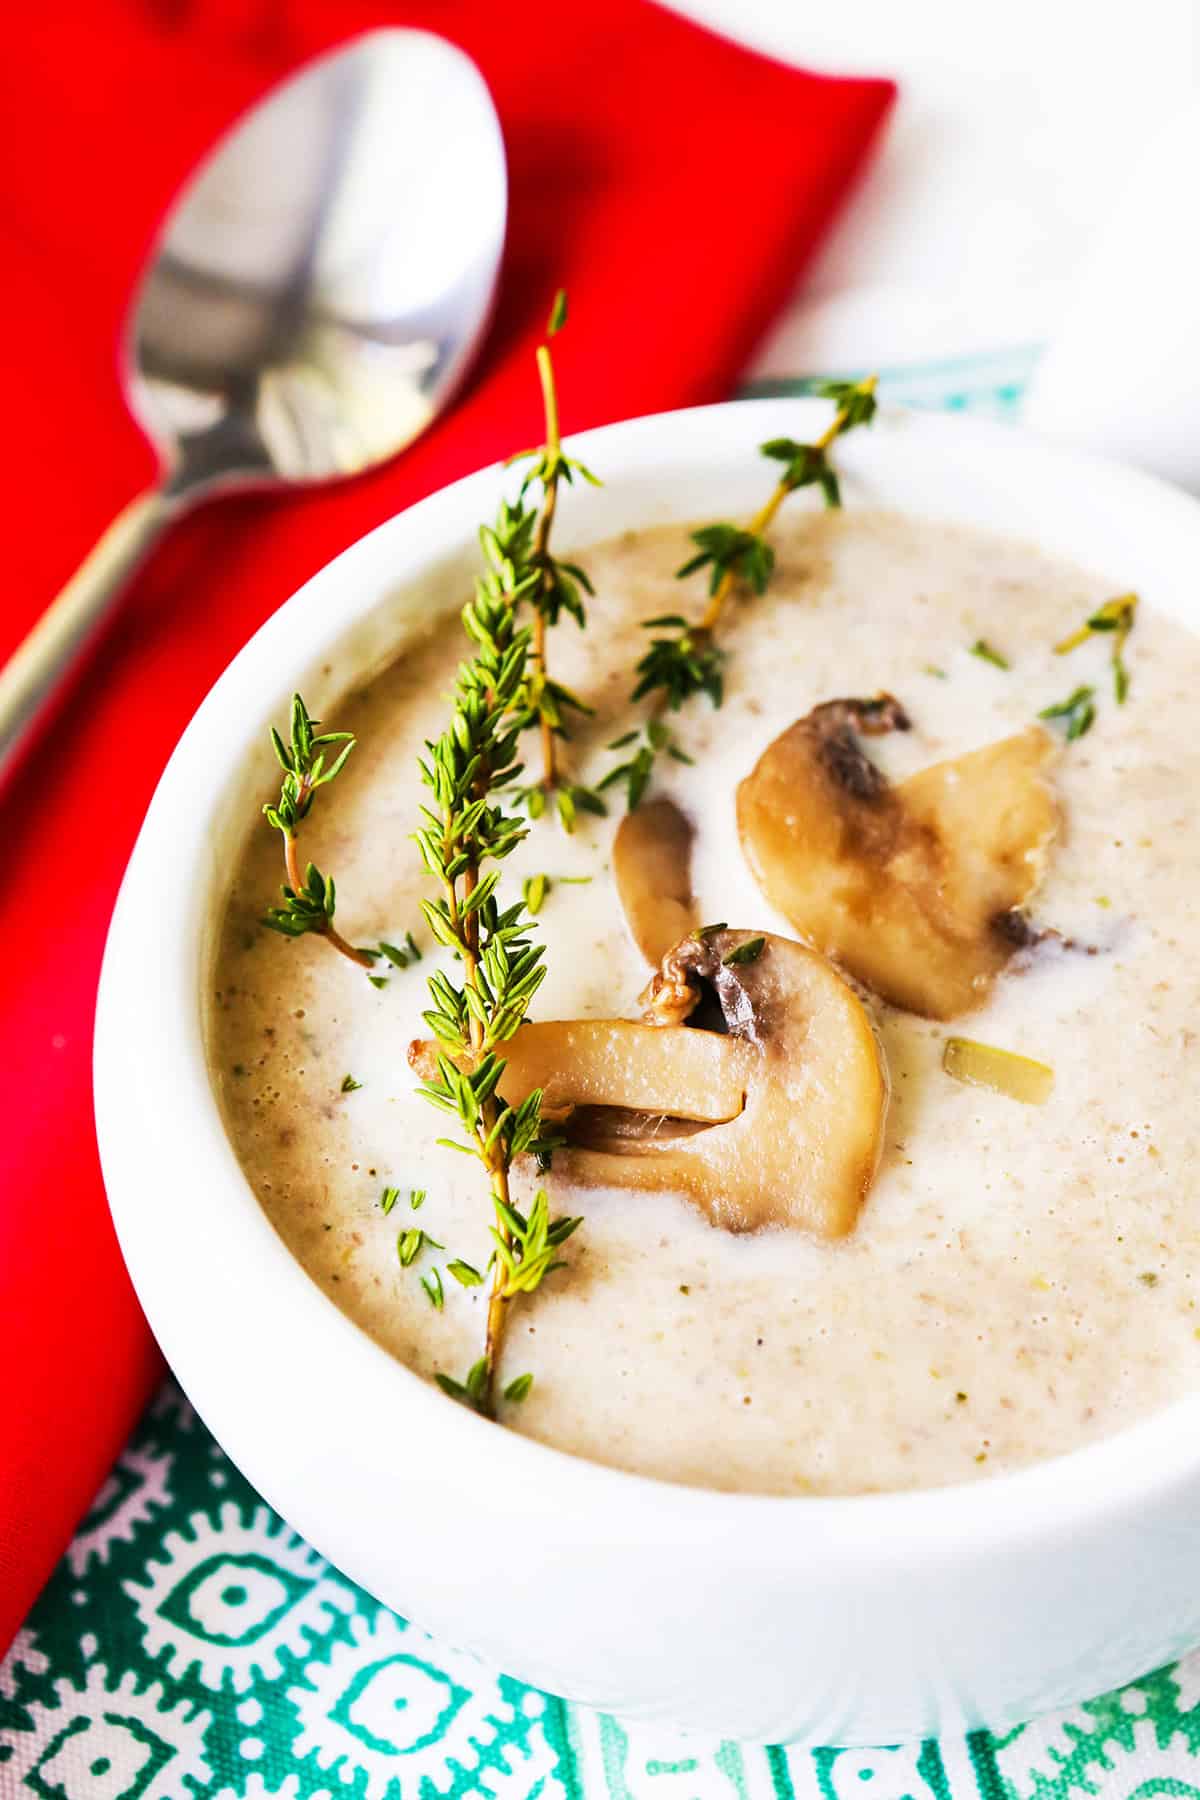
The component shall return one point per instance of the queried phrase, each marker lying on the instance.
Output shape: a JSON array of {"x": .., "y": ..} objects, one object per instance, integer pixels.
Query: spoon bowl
[
  {"x": 310, "y": 304},
  {"x": 323, "y": 281}
]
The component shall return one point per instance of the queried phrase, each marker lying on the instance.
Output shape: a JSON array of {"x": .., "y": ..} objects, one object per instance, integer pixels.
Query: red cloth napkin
[{"x": 675, "y": 185}]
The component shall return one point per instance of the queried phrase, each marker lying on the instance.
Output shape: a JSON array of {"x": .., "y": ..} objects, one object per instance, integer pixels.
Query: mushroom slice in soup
[
  {"x": 915, "y": 887},
  {"x": 652, "y": 855},
  {"x": 616, "y": 1062},
  {"x": 774, "y": 1119}
]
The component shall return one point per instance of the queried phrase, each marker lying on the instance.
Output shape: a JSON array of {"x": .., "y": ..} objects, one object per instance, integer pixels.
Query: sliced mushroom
[
  {"x": 617, "y": 1062},
  {"x": 652, "y": 868},
  {"x": 914, "y": 888},
  {"x": 797, "y": 1052}
]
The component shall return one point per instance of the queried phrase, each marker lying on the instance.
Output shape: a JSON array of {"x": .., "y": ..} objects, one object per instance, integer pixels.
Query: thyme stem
[
  {"x": 550, "y": 403},
  {"x": 541, "y": 545},
  {"x": 494, "y": 1162},
  {"x": 291, "y": 864},
  {"x": 764, "y": 518},
  {"x": 329, "y": 931},
  {"x": 551, "y": 586}
]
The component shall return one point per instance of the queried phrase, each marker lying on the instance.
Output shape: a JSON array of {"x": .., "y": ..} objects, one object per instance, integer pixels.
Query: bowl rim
[{"x": 148, "y": 1058}]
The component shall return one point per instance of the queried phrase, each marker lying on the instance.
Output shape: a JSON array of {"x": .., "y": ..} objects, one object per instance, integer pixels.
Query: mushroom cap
[
  {"x": 805, "y": 1147},
  {"x": 915, "y": 887}
]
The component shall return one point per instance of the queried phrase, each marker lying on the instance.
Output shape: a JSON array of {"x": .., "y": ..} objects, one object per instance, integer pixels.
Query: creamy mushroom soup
[{"x": 1019, "y": 1279}]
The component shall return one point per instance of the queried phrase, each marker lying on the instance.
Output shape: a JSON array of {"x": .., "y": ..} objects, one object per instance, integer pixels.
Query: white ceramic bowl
[{"x": 869, "y": 1619}]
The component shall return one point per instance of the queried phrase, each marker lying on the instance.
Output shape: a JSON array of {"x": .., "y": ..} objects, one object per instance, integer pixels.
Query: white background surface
[{"x": 1016, "y": 125}]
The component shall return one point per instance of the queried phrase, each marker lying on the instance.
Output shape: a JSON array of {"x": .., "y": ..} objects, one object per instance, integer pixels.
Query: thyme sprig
[
  {"x": 309, "y": 896},
  {"x": 683, "y": 660},
  {"x": 1116, "y": 617},
  {"x": 550, "y": 585},
  {"x": 746, "y": 556},
  {"x": 465, "y": 834}
]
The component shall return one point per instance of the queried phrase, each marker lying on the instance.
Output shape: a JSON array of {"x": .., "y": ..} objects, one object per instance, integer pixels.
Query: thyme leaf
[
  {"x": 1076, "y": 714},
  {"x": 464, "y": 1273},
  {"x": 525, "y": 1248},
  {"x": 748, "y": 952},
  {"x": 473, "y": 1392},
  {"x": 535, "y": 888},
  {"x": 635, "y": 772},
  {"x": 728, "y": 551},
  {"x": 401, "y": 957}
]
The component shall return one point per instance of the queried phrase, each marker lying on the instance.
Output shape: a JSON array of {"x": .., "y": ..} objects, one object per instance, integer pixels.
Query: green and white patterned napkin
[{"x": 191, "y": 1647}]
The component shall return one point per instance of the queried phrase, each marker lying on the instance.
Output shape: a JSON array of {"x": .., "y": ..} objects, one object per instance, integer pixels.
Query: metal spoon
[{"x": 313, "y": 298}]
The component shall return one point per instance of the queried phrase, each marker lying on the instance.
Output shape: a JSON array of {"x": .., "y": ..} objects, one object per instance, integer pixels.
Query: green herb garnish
[
  {"x": 410, "y": 1244},
  {"x": 466, "y": 832},
  {"x": 683, "y": 660},
  {"x": 634, "y": 773},
  {"x": 389, "y": 1198},
  {"x": 1076, "y": 714},
  {"x": 401, "y": 958},
  {"x": 416, "y": 1198},
  {"x": 1115, "y": 616},
  {"x": 464, "y": 1273},
  {"x": 432, "y": 1283},
  {"x": 983, "y": 650},
  {"x": 309, "y": 897},
  {"x": 525, "y": 1247},
  {"x": 730, "y": 552},
  {"x": 349, "y": 1085},
  {"x": 518, "y": 1388},
  {"x": 517, "y": 550},
  {"x": 535, "y": 888},
  {"x": 748, "y": 952},
  {"x": 473, "y": 1391}
]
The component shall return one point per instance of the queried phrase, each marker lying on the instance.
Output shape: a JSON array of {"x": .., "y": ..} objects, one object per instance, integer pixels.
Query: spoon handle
[{"x": 40, "y": 667}]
